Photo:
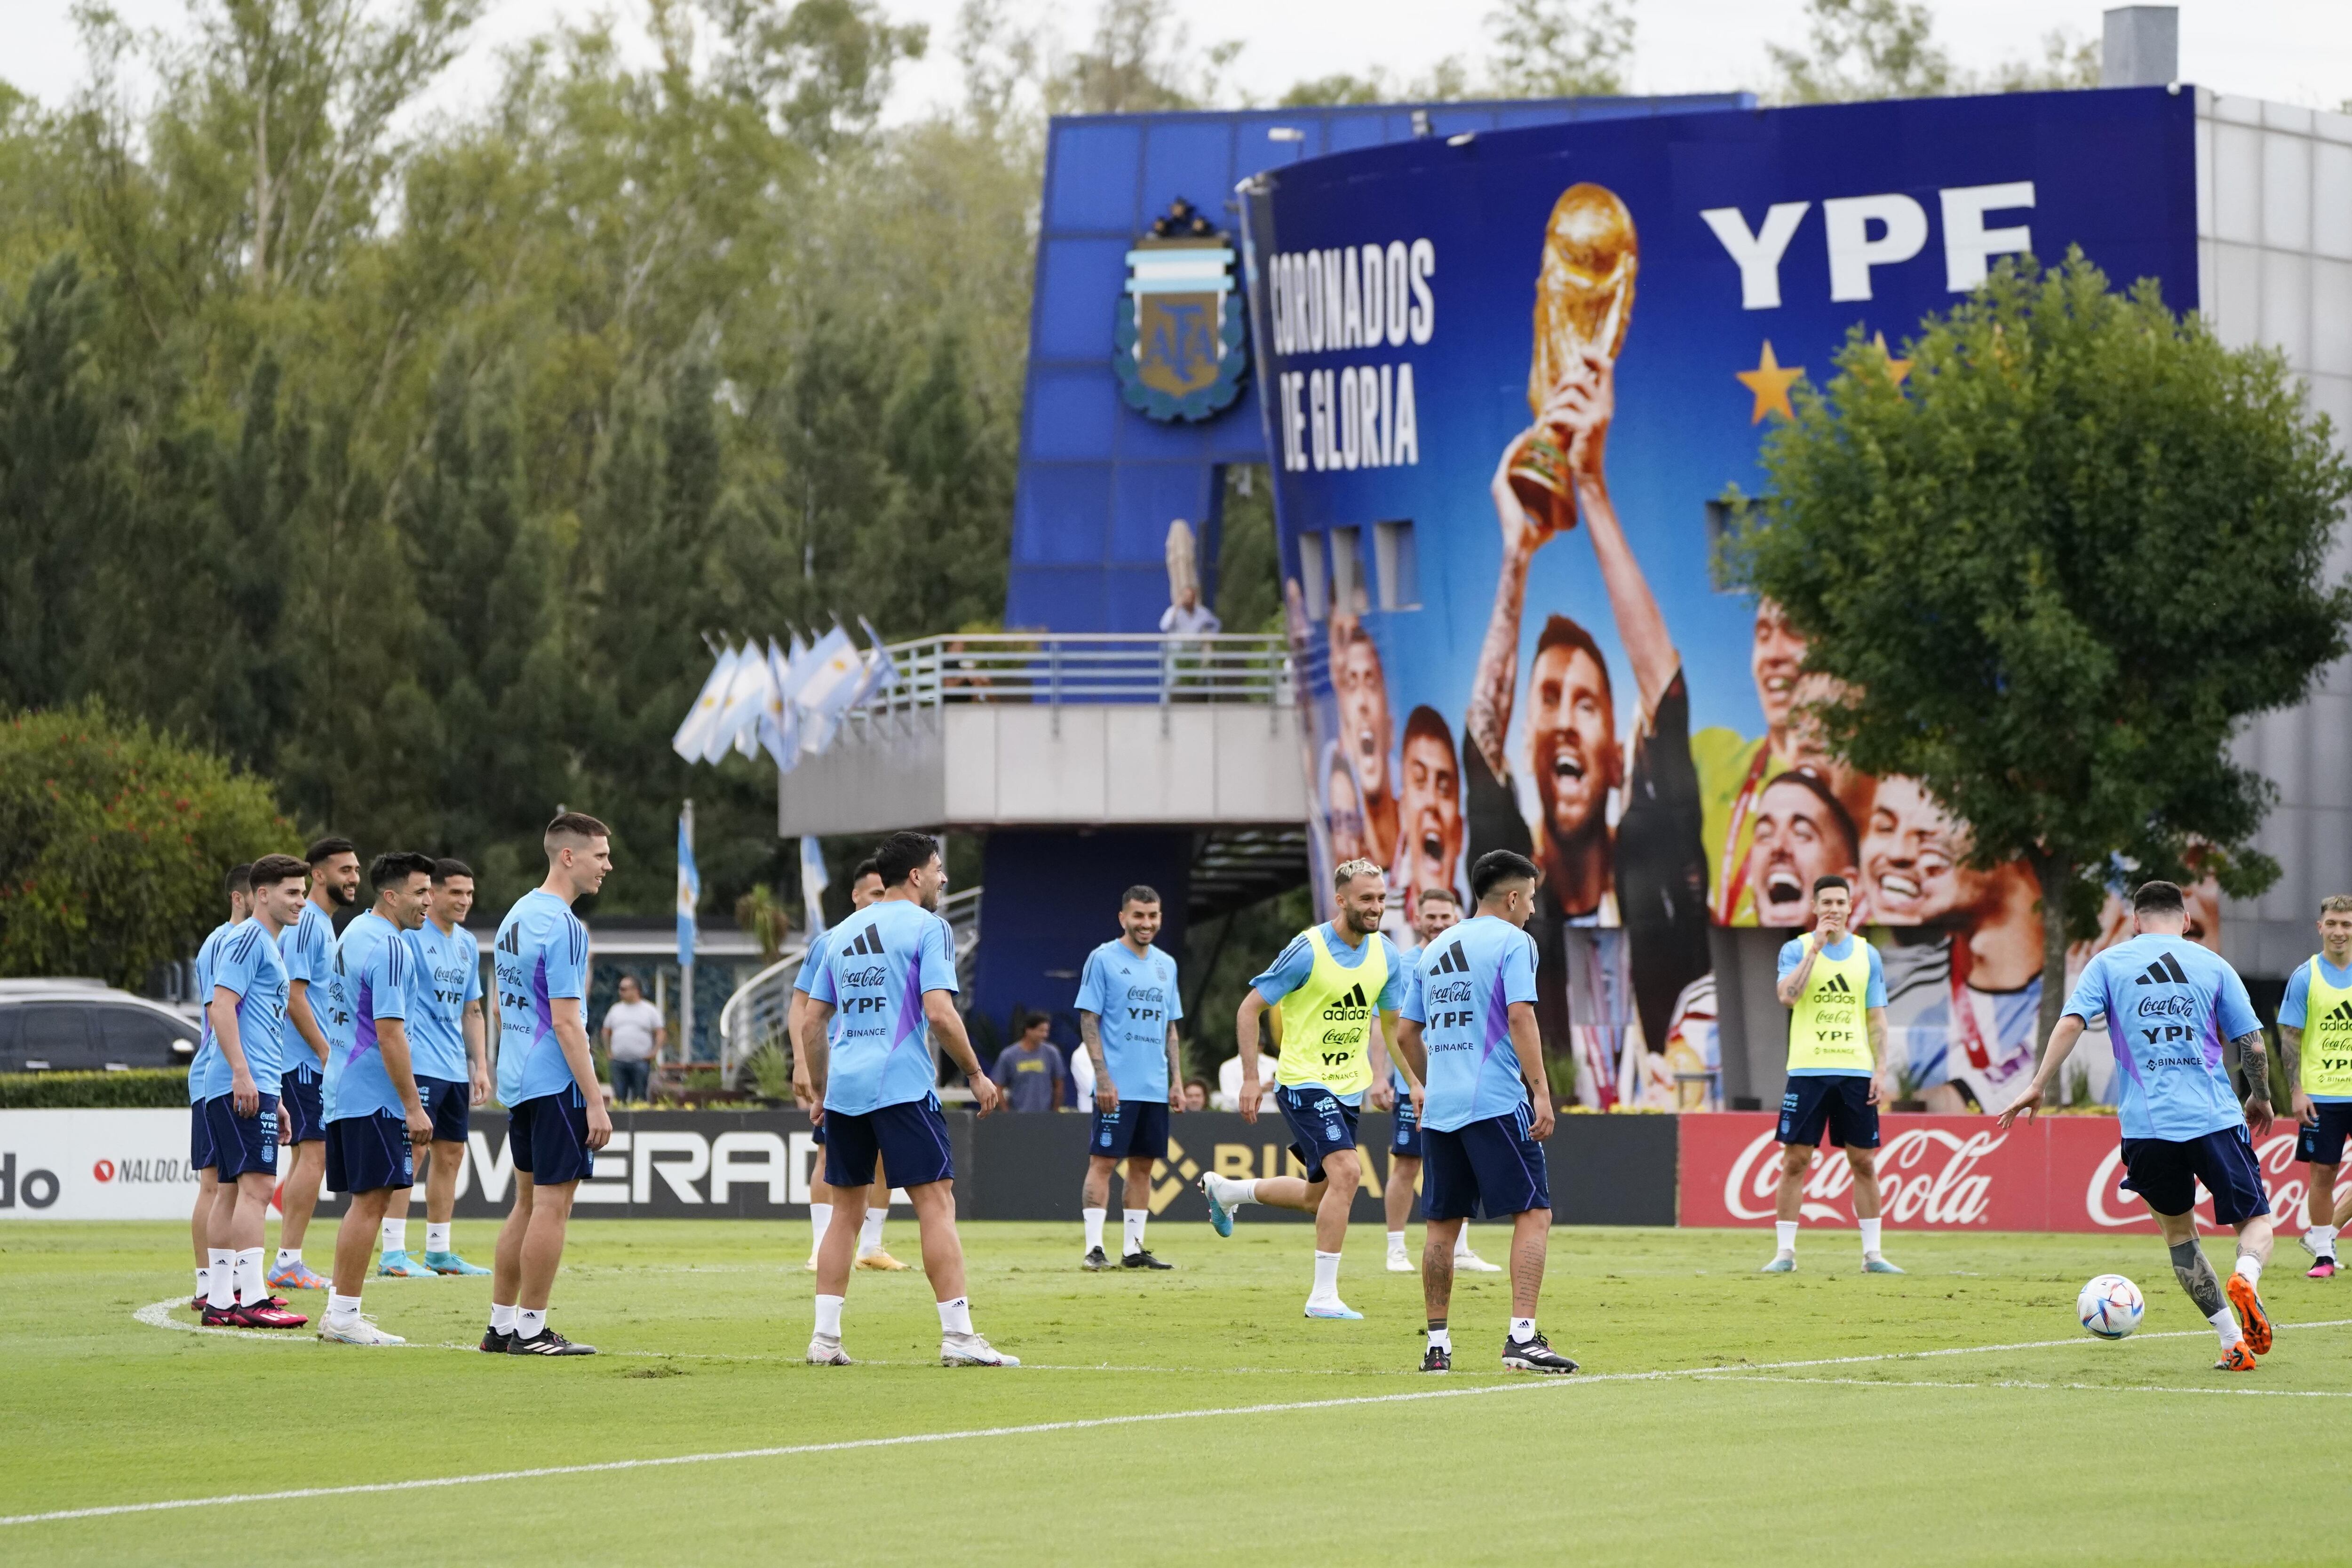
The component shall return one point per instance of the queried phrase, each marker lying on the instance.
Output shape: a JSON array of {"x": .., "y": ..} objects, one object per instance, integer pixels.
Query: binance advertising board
[{"x": 1508, "y": 381}]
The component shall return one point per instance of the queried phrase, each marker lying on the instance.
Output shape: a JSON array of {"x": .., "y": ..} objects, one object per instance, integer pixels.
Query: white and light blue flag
[
  {"x": 813, "y": 882},
  {"x": 694, "y": 731},
  {"x": 689, "y": 889}
]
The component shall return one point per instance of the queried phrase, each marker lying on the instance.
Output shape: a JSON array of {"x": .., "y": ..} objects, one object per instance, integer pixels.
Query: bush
[{"x": 147, "y": 1088}]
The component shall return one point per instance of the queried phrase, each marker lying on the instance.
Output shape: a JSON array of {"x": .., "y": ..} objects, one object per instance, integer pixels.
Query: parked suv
[{"x": 66, "y": 1025}]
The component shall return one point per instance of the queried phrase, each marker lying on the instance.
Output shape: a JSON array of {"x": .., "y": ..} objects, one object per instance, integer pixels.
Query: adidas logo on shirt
[
  {"x": 511, "y": 941},
  {"x": 1837, "y": 982},
  {"x": 2165, "y": 971},
  {"x": 1453, "y": 962},
  {"x": 2341, "y": 1013},
  {"x": 867, "y": 942},
  {"x": 1348, "y": 1007}
]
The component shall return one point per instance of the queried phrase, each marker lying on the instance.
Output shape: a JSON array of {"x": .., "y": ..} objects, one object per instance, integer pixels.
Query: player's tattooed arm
[
  {"x": 2254, "y": 1061},
  {"x": 2291, "y": 1054},
  {"x": 1492, "y": 688},
  {"x": 2196, "y": 1275}
]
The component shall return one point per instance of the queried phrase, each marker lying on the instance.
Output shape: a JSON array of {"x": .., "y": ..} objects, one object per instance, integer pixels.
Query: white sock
[
  {"x": 1396, "y": 1243},
  {"x": 1094, "y": 1218},
  {"x": 395, "y": 1235},
  {"x": 1326, "y": 1276},
  {"x": 2225, "y": 1323},
  {"x": 503, "y": 1318},
  {"x": 2322, "y": 1238},
  {"x": 204, "y": 1283},
  {"x": 1523, "y": 1330},
  {"x": 1440, "y": 1338},
  {"x": 1233, "y": 1193},
  {"x": 869, "y": 1235},
  {"x": 1134, "y": 1237},
  {"x": 2251, "y": 1266},
  {"x": 248, "y": 1273},
  {"x": 529, "y": 1322},
  {"x": 1461, "y": 1242},
  {"x": 1869, "y": 1238},
  {"x": 828, "y": 1315},
  {"x": 820, "y": 1218},
  {"x": 341, "y": 1308},
  {"x": 220, "y": 1277},
  {"x": 955, "y": 1317},
  {"x": 1785, "y": 1230},
  {"x": 289, "y": 1256},
  {"x": 436, "y": 1237}
]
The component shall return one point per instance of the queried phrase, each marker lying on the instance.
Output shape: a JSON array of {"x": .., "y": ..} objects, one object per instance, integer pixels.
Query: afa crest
[{"x": 1181, "y": 345}]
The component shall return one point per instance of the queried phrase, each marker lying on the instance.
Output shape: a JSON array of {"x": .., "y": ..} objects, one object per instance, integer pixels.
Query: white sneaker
[
  {"x": 1332, "y": 1307},
  {"x": 812, "y": 1262},
  {"x": 972, "y": 1350},
  {"x": 825, "y": 1350},
  {"x": 1400, "y": 1264},
  {"x": 1468, "y": 1262},
  {"x": 359, "y": 1330}
]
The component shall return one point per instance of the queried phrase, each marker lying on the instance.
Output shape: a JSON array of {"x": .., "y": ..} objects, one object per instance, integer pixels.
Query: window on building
[
  {"x": 1313, "y": 582},
  {"x": 1399, "y": 567},
  {"x": 1348, "y": 587}
]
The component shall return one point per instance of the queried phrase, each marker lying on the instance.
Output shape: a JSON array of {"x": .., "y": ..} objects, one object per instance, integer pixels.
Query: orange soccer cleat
[
  {"x": 2251, "y": 1315},
  {"x": 2237, "y": 1359}
]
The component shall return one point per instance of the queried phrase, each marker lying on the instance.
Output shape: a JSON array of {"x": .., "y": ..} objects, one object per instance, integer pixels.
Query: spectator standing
[
  {"x": 1196, "y": 1094},
  {"x": 1031, "y": 1070},
  {"x": 634, "y": 1037}
]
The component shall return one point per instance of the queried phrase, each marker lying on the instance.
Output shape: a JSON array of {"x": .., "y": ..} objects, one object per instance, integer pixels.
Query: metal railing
[{"x": 1103, "y": 667}]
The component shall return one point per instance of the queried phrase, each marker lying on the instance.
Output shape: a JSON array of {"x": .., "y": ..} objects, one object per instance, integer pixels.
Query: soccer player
[
  {"x": 2316, "y": 1039},
  {"x": 239, "y": 886},
  {"x": 1335, "y": 983},
  {"x": 445, "y": 1046},
  {"x": 246, "y": 1011},
  {"x": 865, "y": 886},
  {"x": 1127, "y": 1009},
  {"x": 555, "y": 1107},
  {"x": 1468, "y": 1032},
  {"x": 1440, "y": 909},
  {"x": 1836, "y": 990},
  {"x": 374, "y": 1116},
  {"x": 308, "y": 947},
  {"x": 881, "y": 1100},
  {"x": 2169, "y": 1006}
]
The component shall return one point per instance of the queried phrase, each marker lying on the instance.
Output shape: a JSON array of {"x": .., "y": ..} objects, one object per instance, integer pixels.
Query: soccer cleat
[
  {"x": 400, "y": 1266},
  {"x": 2252, "y": 1318},
  {"x": 496, "y": 1342},
  {"x": 1093, "y": 1261},
  {"x": 220, "y": 1317},
  {"x": 2323, "y": 1270},
  {"x": 1335, "y": 1309},
  {"x": 358, "y": 1332},
  {"x": 1786, "y": 1263},
  {"x": 264, "y": 1314},
  {"x": 297, "y": 1276},
  {"x": 2237, "y": 1358},
  {"x": 971, "y": 1350},
  {"x": 450, "y": 1263},
  {"x": 881, "y": 1261},
  {"x": 1400, "y": 1264},
  {"x": 2304, "y": 1241},
  {"x": 1141, "y": 1258},
  {"x": 1220, "y": 1216},
  {"x": 1534, "y": 1355},
  {"x": 812, "y": 1262},
  {"x": 547, "y": 1341},
  {"x": 1878, "y": 1265},
  {"x": 1468, "y": 1262},
  {"x": 825, "y": 1350},
  {"x": 199, "y": 1303},
  {"x": 1437, "y": 1358}
]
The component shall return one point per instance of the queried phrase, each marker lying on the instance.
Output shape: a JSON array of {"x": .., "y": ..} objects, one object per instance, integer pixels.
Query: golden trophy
[{"x": 1585, "y": 299}]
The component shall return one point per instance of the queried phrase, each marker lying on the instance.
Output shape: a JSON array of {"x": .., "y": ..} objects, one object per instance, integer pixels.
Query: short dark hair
[
  {"x": 1499, "y": 866},
  {"x": 2159, "y": 897},
  {"x": 1832, "y": 881},
  {"x": 1024, "y": 1021},
  {"x": 1138, "y": 894},
  {"x": 397, "y": 866},
  {"x": 870, "y": 867},
  {"x": 1560, "y": 632},
  {"x": 327, "y": 850},
  {"x": 572, "y": 824},
  {"x": 1426, "y": 723},
  {"x": 900, "y": 855},
  {"x": 445, "y": 869},
  {"x": 239, "y": 879},
  {"x": 272, "y": 869},
  {"x": 1448, "y": 894},
  {"x": 1806, "y": 779}
]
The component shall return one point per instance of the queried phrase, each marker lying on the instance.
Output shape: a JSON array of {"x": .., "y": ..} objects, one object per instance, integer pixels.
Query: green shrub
[{"x": 146, "y": 1089}]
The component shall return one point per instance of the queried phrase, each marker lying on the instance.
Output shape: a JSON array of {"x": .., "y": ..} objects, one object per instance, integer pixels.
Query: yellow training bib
[
  {"x": 2326, "y": 1036},
  {"x": 1327, "y": 1022},
  {"x": 1827, "y": 1027}
]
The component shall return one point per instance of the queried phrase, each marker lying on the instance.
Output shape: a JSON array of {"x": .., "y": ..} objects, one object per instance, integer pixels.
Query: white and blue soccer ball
[{"x": 2110, "y": 1306}]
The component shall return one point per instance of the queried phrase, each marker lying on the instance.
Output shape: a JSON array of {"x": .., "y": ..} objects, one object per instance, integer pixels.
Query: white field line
[{"x": 2012, "y": 1382}]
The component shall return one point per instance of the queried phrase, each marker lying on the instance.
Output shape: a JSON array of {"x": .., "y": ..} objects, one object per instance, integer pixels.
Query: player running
[
  {"x": 865, "y": 886},
  {"x": 2316, "y": 1040},
  {"x": 307, "y": 946},
  {"x": 1468, "y": 1032},
  {"x": 247, "y": 1010},
  {"x": 2169, "y": 1006},
  {"x": 240, "y": 887},
  {"x": 1440, "y": 909},
  {"x": 1836, "y": 990},
  {"x": 1127, "y": 1009},
  {"x": 445, "y": 1048},
  {"x": 555, "y": 1107},
  {"x": 376, "y": 1118},
  {"x": 887, "y": 971},
  {"x": 1336, "y": 983}
]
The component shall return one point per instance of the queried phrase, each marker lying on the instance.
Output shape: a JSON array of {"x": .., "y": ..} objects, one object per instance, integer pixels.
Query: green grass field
[{"x": 1782, "y": 1417}]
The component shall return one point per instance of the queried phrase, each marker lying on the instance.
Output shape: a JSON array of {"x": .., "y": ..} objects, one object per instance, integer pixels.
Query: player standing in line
[
  {"x": 547, "y": 1080},
  {"x": 1836, "y": 990},
  {"x": 1336, "y": 983},
  {"x": 307, "y": 946},
  {"x": 239, "y": 886},
  {"x": 246, "y": 1011},
  {"x": 887, "y": 971},
  {"x": 2169, "y": 1006},
  {"x": 1440, "y": 909},
  {"x": 1468, "y": 1031},
  {"x": 1127, "y": 1010},
  {"x": 865, "y": 886},
  {"x": 2315, "y": 1042},
  {"x": 375, "y": 1117},
  {"x": 445, "y": 1046}
]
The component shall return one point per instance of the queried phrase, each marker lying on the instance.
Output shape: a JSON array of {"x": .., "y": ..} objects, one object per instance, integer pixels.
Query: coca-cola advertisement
[{"x": 1955, "y": 1173}]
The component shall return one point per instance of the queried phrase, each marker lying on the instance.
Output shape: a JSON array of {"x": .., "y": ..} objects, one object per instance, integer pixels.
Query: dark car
[{"x": 85, "y": 1025}]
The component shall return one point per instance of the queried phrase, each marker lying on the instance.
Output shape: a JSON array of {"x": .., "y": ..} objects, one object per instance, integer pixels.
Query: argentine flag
[
  {"x": 813, "y": 882},
  {"x": 694, "y": 731},
  {"x": 780, "y": 721},
  {"x": 689, "y": 889},
  {"x": 835, "y": 669}
]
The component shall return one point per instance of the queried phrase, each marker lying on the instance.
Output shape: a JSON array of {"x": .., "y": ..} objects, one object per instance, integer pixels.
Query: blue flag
[
  {"x": 813, "y": 882},
  {"x": 689, "y": 889}
]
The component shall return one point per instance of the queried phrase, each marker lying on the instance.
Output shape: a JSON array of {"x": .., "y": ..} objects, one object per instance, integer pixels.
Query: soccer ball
[{"x": 2110, "y": 1306}]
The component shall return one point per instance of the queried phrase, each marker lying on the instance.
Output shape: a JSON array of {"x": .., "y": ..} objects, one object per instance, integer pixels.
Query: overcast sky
[{"x": 2295, "y": 51}]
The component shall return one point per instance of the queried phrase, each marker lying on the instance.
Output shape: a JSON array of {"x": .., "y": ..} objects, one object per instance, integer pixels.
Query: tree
[
  {"x": 2055, "y": 570},
  {"x": 1138, "y": 63},
  {"x": 1863, "y": 48},
  {"x": 113, "y": 843},
  {"x": 1562, "y": 48}
]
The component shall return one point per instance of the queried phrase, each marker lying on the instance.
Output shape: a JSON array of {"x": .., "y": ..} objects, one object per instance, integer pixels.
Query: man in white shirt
[{"x": 635, "y": 1035}]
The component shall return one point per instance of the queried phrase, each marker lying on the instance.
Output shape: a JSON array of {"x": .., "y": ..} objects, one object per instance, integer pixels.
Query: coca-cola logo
[
  {"x": 2168, "y": 1007},
  {"x": 1926, "y": 1177},
  {"x": 2110, "y": 1206}
]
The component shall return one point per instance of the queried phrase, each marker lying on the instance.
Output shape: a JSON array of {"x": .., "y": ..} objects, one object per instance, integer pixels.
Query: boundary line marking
[{"x": 2011, "y": 1383}]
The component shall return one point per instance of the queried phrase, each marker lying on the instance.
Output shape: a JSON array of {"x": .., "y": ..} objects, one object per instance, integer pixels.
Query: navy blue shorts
[
  {"x": 304, "y": 1098},
  {"x": 200, "y": 1138},
  {"x": 912, "y": 1138},
  {"x": 2166, "y": 1174},
  {"x": 2323, "y": 1145},
  {"x": 816, "y": 1133},
  {"x": 1320, "y": 1123},
  {"x": 1486, "y": 1170},
  {"x": 1137, "y": 1126},
  {"x": 1840, "y": 1102},
  {"x": 242, "y": 1145},
  {"x": 368, "y": 1153},
  {"x": 548, "y": 1138},
  {"x": 450, "y": 1105},
  {"x": 1406, "y": 1145}
]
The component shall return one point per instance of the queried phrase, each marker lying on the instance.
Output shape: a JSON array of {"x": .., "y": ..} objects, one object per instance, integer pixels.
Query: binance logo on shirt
[{"x": 2165, "y": 971}]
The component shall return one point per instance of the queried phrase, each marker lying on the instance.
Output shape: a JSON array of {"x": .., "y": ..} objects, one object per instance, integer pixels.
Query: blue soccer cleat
[
  {"x": 1335, "y": 1309},
  {"x": 1220, "y": 1216},
  {"x": 400, "y": 1266},
  {"x": 450, "y": 1263},
  {"x": 1878, "y": 1265},
  {"x": 1780, "y": 1265}
]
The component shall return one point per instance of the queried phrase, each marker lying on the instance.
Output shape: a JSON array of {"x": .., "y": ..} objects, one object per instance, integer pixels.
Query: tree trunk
[{"x": 2053, "y": 872}]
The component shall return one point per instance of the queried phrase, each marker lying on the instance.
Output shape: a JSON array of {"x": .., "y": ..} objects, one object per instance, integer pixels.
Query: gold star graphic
[
  {"x": 1897, "y": 369},
  {"x": 1770, "y": 381}
]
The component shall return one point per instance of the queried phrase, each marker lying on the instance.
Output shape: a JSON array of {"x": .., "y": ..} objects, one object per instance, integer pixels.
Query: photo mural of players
[{"x": 1574, "y": 683}]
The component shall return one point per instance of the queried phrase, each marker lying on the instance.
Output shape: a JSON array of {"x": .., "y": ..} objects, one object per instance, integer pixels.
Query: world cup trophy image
[{"x": 1585, "y": 299}]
